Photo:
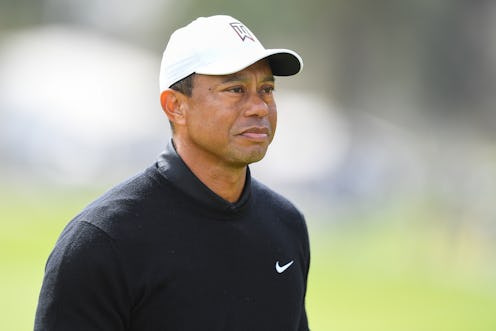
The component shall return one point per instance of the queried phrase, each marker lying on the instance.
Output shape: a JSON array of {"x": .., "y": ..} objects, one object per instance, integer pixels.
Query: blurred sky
[{"x": 396, "y": 100}]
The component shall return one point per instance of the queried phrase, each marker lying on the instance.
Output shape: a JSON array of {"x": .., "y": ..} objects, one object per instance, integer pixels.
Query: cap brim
[{"x": 283, "y": 62}]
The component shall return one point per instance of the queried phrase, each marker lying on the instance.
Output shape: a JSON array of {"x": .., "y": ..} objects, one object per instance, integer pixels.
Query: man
[{"x": 193, "y": 242}]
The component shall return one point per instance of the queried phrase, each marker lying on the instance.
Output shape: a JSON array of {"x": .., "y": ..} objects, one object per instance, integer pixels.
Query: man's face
[{"x": 231, "y": 119}]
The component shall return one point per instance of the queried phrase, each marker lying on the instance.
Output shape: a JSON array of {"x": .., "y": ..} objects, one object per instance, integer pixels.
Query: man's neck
[{"x": 225, "y": 181}]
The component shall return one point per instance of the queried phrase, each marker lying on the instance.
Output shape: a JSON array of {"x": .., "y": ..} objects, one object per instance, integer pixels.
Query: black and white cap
[{"x": 219, "y": 45}]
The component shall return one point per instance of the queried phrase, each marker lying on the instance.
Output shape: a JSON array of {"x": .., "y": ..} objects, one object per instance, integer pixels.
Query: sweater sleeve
[
  {"x": 306, "y": 252},
  {"x": 84, "y": 287}
]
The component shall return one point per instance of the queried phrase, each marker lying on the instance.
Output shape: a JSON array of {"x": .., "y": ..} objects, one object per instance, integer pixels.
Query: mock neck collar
[{"x": 174, "y": 169}]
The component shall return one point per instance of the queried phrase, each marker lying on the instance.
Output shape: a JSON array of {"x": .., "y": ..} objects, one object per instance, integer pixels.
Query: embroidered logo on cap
[{"x": 242, "y": 31}]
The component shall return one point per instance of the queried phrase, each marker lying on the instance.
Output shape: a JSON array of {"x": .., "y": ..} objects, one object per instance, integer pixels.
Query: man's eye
[
  {"x": 236, "y": 89},
  {"x": 268, "y": 89}
]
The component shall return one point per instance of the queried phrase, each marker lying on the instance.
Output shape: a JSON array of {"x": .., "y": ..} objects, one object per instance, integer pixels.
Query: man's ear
[{"x": 173, "y": 104}]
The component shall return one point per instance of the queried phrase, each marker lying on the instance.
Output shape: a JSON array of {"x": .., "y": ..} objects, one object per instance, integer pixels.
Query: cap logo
[{"x": 242, "y": 31}]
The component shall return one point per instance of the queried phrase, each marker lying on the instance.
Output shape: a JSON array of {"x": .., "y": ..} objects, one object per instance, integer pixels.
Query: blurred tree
[
  {"x": 18, "y": 13},
  {"x": 384, "y": 56},
  {"x": 379, "y": 55}
]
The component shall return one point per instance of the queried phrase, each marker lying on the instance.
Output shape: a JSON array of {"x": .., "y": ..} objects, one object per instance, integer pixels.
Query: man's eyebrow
[{"x": 269, "y": 79}]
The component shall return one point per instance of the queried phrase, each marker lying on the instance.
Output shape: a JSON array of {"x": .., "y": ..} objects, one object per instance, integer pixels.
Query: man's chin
[{"x": 251, "y": 156}]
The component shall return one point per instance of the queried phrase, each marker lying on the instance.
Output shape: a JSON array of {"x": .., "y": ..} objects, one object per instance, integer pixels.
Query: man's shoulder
[
  {"x": 266, "y": 195},
  {"x": 128, "y": 203},
  {"x": 128, "y": 193}
]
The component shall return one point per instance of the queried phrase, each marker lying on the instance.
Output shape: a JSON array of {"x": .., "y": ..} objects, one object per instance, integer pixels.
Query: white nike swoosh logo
[{"x": 281, "y": 269}]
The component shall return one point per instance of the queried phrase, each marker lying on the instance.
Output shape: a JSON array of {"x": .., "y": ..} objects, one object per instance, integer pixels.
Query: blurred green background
[
  {"x": 386, "y": 141},
  {"x": 388, "y": 270}
]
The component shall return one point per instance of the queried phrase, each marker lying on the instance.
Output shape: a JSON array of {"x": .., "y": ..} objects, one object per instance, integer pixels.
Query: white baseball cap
[{"x": 219, "y": 45}]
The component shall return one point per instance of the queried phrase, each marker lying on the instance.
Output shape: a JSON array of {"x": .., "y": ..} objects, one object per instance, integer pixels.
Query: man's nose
[{"x": 257, "y": 105}]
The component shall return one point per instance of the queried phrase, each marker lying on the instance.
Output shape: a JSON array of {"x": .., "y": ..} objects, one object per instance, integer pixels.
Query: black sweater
[{"x": 161, "y": 251}]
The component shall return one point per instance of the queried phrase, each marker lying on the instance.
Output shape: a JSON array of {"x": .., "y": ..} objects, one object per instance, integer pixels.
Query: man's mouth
[{"x": 256, "y": 133}]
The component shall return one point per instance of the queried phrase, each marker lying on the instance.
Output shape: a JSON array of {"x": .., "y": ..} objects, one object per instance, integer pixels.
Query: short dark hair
[{"x": 185, "y": 85}]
